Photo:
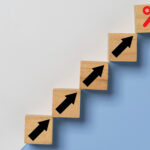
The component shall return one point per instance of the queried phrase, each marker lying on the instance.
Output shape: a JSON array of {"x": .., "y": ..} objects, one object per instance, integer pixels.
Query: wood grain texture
[
  {"x": 73, "y": 110},
  {"x": 140, "y": 18},
  {"x": 31, "y": 122},
  {"x": 100, "y": 83},
  {"x": 129, "y": 54}
]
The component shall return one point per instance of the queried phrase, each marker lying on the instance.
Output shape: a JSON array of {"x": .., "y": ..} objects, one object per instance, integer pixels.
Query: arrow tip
[
  {"x": 44, "y": 124},
  {"x": 99, "y": 70},
  {"x": 128, "y": 40},
  {"x": 71, "y": 97}
]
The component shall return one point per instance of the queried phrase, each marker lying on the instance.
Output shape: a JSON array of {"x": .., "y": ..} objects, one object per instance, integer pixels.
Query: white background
[{"x": 41, "y": 45}]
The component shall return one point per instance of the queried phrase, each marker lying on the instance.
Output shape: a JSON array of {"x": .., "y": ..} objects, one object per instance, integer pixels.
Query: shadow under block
[
  {"x": 94, "y": 75},
  {"x": 66, "y": 103},
  {"x": 122, "y": 47},
  {"x": 142, "y": 18},
  {"x": 38, "y": 129}
]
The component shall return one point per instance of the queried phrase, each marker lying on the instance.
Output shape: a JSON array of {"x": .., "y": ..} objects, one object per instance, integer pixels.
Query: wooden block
[
  {"x": 66, "y": 103},
  {"x": 38, "y": 129},
  {"x": 93, "y": 75},
  {"x": 122, "y": 47},
  {"x": 142, "y": 18}
]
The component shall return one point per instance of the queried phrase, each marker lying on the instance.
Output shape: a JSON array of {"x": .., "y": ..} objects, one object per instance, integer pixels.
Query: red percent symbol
[{"x": 146, "y": 11}]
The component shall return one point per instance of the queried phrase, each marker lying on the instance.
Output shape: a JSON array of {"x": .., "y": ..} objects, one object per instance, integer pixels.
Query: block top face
[
  {"x": 93, "y": 75},
  {"x": 122, "y": 47},
  {"x": 38, "y": 129},
  {"x": 142, "y": 18},
  {"x": 66, "y": 103}
]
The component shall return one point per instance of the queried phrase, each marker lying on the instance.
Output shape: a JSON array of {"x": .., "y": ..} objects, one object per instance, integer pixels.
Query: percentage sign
[{"x": 146, "y": 11}]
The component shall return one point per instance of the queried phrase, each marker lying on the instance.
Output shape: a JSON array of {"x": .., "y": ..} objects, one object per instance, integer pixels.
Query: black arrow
[
  {"x": 97, "y": 71},
  {"x": 126, "y": 42},
  {"x": 43, "y": 125},
  {"x": 69, "y": 99}
]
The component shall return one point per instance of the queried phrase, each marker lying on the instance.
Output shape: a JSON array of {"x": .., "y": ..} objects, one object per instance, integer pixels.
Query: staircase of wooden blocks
[{"x": 122, "y": 47}]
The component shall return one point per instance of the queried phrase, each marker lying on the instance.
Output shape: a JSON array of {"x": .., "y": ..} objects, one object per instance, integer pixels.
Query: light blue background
[{"x": 117, "y": 119}]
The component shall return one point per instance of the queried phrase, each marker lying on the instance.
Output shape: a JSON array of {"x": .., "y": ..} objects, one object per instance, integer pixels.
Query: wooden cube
[
  {"x": 122, "y": 47},
  {"x": 66, "y": 103},
  {"x": 93, "y": 75},
  {"x": 142, "y": 18},
  {"x": 38, "y": 129}
]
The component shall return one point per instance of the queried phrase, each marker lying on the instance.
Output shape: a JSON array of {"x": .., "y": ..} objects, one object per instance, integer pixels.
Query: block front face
[
  {"x": 66, "y": 103},
  {"x": 122, "y": 47},
  {"x": 142, "y": 18},
  {"x": 94, "y": 75},
  {"x": 38, "y": 129}
]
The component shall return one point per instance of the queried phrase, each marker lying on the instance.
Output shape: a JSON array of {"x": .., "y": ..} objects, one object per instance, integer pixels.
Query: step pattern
[{"x": 93, "y": 76}]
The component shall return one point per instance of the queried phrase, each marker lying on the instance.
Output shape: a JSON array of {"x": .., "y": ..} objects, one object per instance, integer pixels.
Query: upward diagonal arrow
[
  {"x": 43, "y": 125},
  {"x": 126, "y": 42},
  {"x": 97, "y": 71},
  {"x": 70, "y": 99}
]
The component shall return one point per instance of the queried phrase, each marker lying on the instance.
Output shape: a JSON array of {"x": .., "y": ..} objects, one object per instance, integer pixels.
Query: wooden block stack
[{"x": 122, "y": 47}]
